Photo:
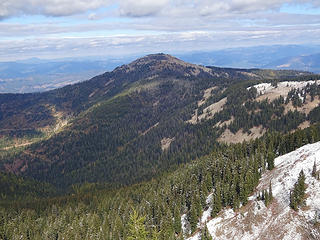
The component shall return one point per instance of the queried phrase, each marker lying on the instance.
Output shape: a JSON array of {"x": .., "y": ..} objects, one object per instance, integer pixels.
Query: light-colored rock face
[{"x": 277, "y": 221}]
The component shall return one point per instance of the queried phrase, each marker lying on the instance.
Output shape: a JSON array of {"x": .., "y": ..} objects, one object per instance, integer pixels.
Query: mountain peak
[
  {"x": 158, "y": 58},
  {"x": 161, "y": 64}
]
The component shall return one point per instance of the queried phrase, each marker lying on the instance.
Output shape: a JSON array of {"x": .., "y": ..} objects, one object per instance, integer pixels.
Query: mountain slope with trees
[
  {"x": 118, "y": 122},
  {"x": 284, "y": 205},
  {"x": 117, "y": 157},
  {"x": 229, "y": 175}
]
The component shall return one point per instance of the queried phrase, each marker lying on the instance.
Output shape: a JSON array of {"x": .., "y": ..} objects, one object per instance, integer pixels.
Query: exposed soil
[
  {"x": 165, "y": 143},
  {"x": 206, "y": 95},
  {"x": 305, "y": 108},
  {"x": 229, "y": 137},
  {"x": 225, "y": 123}
]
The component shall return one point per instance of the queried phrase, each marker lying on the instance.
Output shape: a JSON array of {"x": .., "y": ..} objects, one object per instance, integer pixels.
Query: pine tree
[
  {"x": 270, "y": 193},
  {"x": 297, "y": 195},
  {"x": 205, "y": 235},
  {"x": 301, "y": 183},
  {"x": 216, "y": 201},
  {"x": 235, "y": 202},
  {"x": 270, "y": 160},
  {"x": 137, "y": 229},
  {"x": 314, "y": 170},
  {"x": 155, "y": 234},
  {"x": 177, "y": 220},
  {"x": 193, "y": 218}
]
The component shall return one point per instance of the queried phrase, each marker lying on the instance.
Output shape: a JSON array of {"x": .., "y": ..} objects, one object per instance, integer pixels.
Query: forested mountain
[
  {"x": 129, "y": 124},
  {"x": 144, "y": 146},
  {"x": 171, "y": 205}
]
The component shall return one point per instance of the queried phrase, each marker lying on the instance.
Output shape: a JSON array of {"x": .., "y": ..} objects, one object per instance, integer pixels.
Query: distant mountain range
[
  {"x": 309, "y": 63},
  {"x": 250, "y": 57},
  {"x": 38, "y": 75}
]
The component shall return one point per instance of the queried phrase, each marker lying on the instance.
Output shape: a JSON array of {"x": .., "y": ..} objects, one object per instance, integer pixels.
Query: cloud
[
  {"x": 131, "y": 8},
  {"x": 142, "y": 8},
  {"x": 142, "y": 26},
  {"x": 134, "y": 8},
  {"x": 48, "y": 7},
  {"x": 139, "y": 44}
]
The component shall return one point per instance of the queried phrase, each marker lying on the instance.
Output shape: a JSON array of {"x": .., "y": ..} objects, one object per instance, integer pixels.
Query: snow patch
[
  {"x": 278, "y": 220},
  {"x": 266, "y": 90},
  {"x": 185, "y": 226}
]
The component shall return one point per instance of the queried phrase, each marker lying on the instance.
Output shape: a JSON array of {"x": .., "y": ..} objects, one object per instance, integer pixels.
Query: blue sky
[{"x": 67, "y": 28}]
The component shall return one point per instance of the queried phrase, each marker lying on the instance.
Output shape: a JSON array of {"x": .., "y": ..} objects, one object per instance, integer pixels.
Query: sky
[{"x": 76, "y": 28}]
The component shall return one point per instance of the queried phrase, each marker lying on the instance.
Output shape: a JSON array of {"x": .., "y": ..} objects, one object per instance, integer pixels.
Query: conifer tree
[
  {"x": 193, "y": 218},
  {"x": 270, "y": 191},
  {"x": 137, "y": 229},
  {"x": 314, "y": 170},
  {"x": 216, "y": 201},
  {"x": 270, "y": 160},
  {"x": 177, "y": 220},
  {"x": 301, "y": 182},
  {"x": 297, "y": 195},
  {"x": 268, "y": 196},
  {"x": 155, "y": 234},
  {"x": 235, "y": 202},
  {"x": 205, "y": 235}
]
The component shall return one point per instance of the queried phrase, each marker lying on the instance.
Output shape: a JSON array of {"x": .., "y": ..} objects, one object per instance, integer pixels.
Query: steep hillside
[
  {"x": 228, "y": 175},
  {"x": 131, "y": 124},
  {"x": 28, "y": 111},
  {"x": 277, "y": 220},
  {"x": 240, "y": 113}
]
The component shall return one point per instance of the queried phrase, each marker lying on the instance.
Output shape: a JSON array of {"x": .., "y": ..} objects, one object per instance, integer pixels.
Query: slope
[
  {"x": 277, "y": 220},
  {"x": 118, "y": 120},
  {"x": 92, "y": 213}
]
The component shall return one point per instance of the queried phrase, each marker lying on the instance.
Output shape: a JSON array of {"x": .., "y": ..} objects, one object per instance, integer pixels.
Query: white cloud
[
  {"x": 134, "y": 8},
  {"x": 150, "y": 25},
  {"x": 51, "y": 47},
  {"x": 47, "y": 7},
  {"x": 141, "y": 8}
]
